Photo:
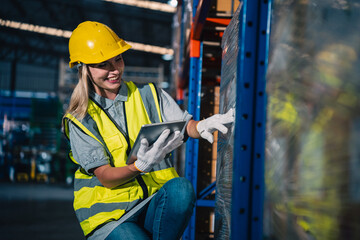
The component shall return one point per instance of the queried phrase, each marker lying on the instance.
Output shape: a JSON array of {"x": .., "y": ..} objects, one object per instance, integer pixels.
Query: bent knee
[{"x": 183, "y": 190}]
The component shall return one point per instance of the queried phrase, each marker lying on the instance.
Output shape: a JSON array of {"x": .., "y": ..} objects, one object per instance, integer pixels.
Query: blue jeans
[{"x": 165, "y": 217}]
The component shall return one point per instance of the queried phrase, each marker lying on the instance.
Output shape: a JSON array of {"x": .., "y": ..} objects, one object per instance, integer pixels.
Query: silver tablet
[{"x": 151, "y": 132}]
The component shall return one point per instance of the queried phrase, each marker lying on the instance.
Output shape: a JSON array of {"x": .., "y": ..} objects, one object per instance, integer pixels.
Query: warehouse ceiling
[{"x": 134, "y": 24}]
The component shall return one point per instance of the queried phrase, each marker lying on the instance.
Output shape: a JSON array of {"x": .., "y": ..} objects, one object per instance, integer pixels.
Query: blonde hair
[{"x": 79, "y": 99}]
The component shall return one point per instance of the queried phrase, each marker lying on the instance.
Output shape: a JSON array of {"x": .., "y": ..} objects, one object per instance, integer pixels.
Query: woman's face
[{"x": 106, "y": 76}]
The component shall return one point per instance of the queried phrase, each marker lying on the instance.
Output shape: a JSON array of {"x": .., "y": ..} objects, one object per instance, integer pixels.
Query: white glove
[
  {"x": 147, "y": 156},
  {"x": 209, "y": 125}
]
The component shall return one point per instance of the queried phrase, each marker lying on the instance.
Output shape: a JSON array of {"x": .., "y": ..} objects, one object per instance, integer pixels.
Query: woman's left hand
[{"x": 209, "y": 125}]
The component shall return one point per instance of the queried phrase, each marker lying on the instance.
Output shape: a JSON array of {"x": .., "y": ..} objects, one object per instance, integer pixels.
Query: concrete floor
[{"x": 37, "y": 211}]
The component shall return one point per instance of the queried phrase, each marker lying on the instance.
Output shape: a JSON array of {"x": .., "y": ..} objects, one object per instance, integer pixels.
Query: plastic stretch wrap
[
  {"x": 313, "y": 121},
  {"x": 226, "y": 142}
]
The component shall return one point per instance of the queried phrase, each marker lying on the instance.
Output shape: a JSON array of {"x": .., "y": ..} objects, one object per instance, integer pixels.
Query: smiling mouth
[{"x": 113, "y": 79}]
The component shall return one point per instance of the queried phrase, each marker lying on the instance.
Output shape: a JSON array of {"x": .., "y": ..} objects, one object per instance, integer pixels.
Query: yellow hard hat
[{"x": 94, "y": 42}]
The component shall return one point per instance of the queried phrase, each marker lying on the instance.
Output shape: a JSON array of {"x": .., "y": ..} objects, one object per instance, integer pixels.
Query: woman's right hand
[{"x": 148, "y": 156}]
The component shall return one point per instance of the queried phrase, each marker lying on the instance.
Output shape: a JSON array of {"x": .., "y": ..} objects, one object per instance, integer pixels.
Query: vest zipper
[
  {"x": 127, "y": 130},
  {"x": 143, "y": 186}
]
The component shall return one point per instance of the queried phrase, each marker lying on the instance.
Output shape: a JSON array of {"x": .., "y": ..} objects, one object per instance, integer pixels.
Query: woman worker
[{"x": 113, "y": 200}]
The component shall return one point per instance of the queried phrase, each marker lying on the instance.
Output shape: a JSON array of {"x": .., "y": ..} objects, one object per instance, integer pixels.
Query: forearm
[
  {"x": 113, "y": 176},
  {"x": 191, "y": 129}
]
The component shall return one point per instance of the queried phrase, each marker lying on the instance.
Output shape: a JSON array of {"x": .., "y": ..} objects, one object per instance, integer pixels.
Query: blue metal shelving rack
[
  {"x": 249, "y": 136},
  {"x": 192, "y": 145}
]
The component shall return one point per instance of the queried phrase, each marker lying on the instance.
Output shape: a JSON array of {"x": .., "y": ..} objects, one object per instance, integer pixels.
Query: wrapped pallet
[
  {"x": 313, "y": 123},
  {"x": 226, "y": 142}
]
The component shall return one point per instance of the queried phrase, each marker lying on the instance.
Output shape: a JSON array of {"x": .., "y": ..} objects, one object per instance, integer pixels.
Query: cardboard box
[{"x": 227, "y": 6}]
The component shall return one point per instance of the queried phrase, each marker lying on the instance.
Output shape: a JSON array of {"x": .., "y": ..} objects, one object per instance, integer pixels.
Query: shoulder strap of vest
[
  {"x": 70, "y": 118},
  {"x": 156, "y": 95},
  {"x": 150, "y": 96},
  {"x": 78, "y": 124}
]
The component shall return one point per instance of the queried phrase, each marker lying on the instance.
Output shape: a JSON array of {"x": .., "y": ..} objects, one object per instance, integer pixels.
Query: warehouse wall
[{"x": 27, "y": 77}]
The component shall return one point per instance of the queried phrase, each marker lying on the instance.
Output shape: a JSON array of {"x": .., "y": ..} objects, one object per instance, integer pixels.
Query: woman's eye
[{"x": 101, "y": 65}]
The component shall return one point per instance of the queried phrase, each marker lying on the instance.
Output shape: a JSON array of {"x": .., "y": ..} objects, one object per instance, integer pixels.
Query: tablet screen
[{"x": 151, "y": 132}]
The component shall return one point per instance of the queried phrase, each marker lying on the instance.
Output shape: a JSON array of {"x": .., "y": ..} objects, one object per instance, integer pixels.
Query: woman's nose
[{"x": 113, "y": 66}]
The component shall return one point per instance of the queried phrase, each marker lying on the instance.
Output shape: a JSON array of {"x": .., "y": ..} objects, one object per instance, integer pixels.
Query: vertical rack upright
[
  {"x": 192, "y": 145},
  {"x": 249, "y": 136},
  {"x": 201, "y": 24}
]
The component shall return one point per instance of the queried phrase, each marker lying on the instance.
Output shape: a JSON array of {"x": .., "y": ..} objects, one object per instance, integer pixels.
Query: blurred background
[
  {"x": 36, "y": 83},
  {"x": 289, "y": 167}
]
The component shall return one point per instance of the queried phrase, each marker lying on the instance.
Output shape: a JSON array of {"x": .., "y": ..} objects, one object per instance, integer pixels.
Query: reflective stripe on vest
[{"x": 94, "y": 204}]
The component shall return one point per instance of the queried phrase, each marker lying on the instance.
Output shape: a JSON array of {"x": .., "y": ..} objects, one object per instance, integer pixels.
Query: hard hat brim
[{"x": 103, "y": 58}]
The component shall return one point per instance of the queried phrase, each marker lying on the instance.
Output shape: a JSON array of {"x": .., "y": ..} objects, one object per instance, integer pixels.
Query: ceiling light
[
  {"x": 66, "y": 34},
  {"x": 35, "y": 28},
  {"x": 157, "y": 6},
  {"x": 173, "y": 3},
  {"x": 168, "y": 57}
]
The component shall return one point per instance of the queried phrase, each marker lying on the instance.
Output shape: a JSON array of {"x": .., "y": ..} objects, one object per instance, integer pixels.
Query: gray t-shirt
[{"x": 90, "y": 154}]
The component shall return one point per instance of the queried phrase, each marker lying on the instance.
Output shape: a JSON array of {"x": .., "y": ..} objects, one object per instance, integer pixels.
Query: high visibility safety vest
[{"x": 94, "y": 204}]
